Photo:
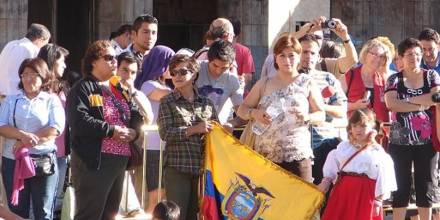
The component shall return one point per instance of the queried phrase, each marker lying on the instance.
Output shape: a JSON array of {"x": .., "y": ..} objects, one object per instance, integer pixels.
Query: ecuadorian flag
[{"x": 241, "y": 184}]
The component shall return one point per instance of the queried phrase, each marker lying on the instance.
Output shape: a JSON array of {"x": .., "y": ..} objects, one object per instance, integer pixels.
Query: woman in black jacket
[{"x": 103, "y": 122}]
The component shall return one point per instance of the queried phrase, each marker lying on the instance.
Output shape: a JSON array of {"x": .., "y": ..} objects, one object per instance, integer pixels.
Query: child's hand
[{"x": 377, "y": 208}]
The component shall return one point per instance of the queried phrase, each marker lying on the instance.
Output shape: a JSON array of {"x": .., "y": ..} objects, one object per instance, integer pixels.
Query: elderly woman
[
  {"x": 184, "y": 118},
  {"x": 408, "y": 95},
  {"x": 103, "y": 124},
  {"x": 292, "y": 95},
  {"x": 32, "y": 120},
  {"x": 365, "y": 83}
]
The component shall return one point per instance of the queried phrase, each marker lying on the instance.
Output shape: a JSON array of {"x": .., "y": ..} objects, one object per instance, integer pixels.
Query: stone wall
[
  {"x": 113, "y": 13},
  {"x": 13, "y": 20}
]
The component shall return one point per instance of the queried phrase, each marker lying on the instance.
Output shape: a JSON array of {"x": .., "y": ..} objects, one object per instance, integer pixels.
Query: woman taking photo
[
  {"x": 286, "y": 141},
  {"x": 408, "y": 95},
  {"x": 184, "y": 118},
  {"x": 103, "y": 123},
  {"x": 32, "y": 120}
]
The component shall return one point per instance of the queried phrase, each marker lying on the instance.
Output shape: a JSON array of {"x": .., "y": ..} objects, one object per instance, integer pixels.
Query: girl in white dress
[{"x": 363, "y": 173}]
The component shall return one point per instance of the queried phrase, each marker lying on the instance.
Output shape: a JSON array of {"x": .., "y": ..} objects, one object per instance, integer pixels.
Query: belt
[{"x": 352, "y": 174}]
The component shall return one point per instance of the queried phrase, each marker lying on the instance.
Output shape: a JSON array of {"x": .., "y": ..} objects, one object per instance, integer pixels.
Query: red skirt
[{"x": 352, "y": 198}]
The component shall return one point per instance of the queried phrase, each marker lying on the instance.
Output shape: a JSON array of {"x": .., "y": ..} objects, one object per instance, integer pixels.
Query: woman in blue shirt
[{"x": 32, "y": 119}]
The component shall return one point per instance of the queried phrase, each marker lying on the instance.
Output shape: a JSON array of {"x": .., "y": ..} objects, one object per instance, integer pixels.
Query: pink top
[
  {"x": 111, "y": 115},
  {"x": 24, "y": 168},
  {"x": 59, "y": 141}
]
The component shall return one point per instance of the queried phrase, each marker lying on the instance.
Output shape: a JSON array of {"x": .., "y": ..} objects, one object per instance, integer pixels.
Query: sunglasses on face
[
  {"x": 181, "y": 72},
  {"x": 108, "y": 57}
]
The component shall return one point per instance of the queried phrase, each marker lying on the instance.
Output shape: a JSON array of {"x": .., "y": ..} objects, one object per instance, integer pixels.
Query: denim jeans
[{"x": 41, "y": 190}]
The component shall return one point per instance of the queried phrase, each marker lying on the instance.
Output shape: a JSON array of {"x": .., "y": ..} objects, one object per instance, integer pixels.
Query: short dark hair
[
  {"x": 166, "y": 210},
  {"x": 406, "y": 44},
  {"x": 121, "y": 30},
  {"x": 127, "y": 57},
  {"x": 93, "y": 52},
  {"x": 37, "y": 31},
  {"x": 145, "y": 18},
  {"x": 329, "y": 49},
  {"x": 236, "y": 23},
  {"x": 39, "y": 66},
  {"x": 51, "y": 53},
  {"x": 429, "y": 34},
  {"x": 222, "y": 50},
  {"x": 309, "y": 37}
]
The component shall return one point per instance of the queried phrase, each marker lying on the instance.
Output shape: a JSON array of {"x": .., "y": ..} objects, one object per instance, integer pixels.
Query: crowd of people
[{"x": 363, "y": 127}]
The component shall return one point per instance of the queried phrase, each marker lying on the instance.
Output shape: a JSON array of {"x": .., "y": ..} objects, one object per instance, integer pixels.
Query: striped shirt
[{"x": 176, "y": 114}]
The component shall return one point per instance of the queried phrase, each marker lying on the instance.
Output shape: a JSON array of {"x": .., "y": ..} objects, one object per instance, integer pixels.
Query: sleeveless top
[{"x": 288, "y": 138}]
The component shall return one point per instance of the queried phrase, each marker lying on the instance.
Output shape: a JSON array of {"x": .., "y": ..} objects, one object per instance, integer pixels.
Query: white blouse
[{"x": 373, "y": 161}]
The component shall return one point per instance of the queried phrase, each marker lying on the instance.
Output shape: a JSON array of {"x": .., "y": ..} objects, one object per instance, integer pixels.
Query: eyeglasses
[
  {"x": 108, "y": 57},
  {"x": 412, "y": 54},
  {"x": 376, "y": 54},
  {"x": 181, "y": 72},
  {"x": 30, "y": 75}
]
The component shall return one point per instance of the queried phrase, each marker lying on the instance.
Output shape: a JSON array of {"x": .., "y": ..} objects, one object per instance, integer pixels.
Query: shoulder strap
[
  {"x": 264, "y": 87},
  {"x": 353, "y": 156},
  {"x": 323, "y": 65},
  {"x": 118, "y": 104},
  {"x": 350, "y": 82}
]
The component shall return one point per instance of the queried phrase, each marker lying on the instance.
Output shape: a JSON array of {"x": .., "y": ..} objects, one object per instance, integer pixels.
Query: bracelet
[
  {"x": 249, "y": 113},
  {"x": 346, "y": 41}
]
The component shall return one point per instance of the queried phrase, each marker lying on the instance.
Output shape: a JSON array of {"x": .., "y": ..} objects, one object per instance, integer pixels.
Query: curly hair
[{"x": 93, "y": 53}]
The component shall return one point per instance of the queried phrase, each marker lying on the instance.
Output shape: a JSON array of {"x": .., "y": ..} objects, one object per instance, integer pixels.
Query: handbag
[
  {"x": 247, "y": 136},
  {"x": 44, "y": 164},
  {"x": 136, "y": 155},
  {"x": 136, "y": 158}
]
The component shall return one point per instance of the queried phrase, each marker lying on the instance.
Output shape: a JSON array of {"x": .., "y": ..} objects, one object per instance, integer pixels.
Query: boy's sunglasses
[{"x": 181, "y": 72}]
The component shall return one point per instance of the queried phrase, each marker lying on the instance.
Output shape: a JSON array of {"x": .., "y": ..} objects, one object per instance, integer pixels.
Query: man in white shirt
[
  {"x": 121, "y": 38},
  {"x": 15, "y": 52}
]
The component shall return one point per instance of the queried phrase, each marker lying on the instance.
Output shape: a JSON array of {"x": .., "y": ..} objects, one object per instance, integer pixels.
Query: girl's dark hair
[
  {"x": 362, "y": 116},
  {"x": 39, "y": 66},
  {"x": 166, "y": 210},
  {"x": 51, "y": 53}
]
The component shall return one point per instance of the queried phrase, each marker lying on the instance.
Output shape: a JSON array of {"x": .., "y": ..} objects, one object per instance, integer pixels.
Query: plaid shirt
[{"x": 176, "y": 114}]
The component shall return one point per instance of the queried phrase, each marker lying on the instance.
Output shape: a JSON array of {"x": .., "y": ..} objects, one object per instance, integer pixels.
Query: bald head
[{"x": 225, "y": 25}]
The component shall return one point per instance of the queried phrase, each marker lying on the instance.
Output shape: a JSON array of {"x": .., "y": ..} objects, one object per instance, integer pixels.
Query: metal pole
[
  {"x": 160, "y": 171},
  {"x": 144, "y": 169}
]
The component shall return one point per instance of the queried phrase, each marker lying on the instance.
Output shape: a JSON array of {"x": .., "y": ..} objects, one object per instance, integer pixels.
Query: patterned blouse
[
  {"x": 111, "y": 115},
  {"x": 412, "y": 128},
  {"x": 288, "y": 138}
]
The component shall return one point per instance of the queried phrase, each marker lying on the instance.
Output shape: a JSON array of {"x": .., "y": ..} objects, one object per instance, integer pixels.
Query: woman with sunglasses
[
  {"x": 184, "y": 118},
  {"x": 152, "y": 83},
  {"x": 103, "y": 123},
  {"x": 30, "y": 121}
]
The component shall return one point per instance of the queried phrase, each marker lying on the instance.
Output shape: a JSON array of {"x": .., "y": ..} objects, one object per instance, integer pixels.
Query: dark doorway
[
  {"x": 183, "y": 23},
  {"x": 75, "y": 29},
  {"x": 71, "y": 24}
]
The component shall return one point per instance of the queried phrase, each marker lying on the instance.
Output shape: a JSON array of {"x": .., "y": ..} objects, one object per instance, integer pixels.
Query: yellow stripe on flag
[{"x": 251, "y": 185}]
